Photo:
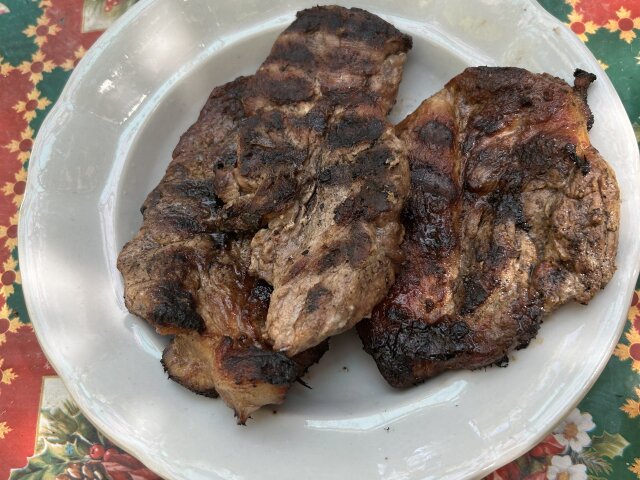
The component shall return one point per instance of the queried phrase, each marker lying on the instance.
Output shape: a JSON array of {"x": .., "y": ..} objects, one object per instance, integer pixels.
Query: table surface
[{"x": 43, "y": 435}]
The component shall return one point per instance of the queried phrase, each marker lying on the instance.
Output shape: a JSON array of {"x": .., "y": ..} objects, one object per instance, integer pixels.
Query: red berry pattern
[
  {"x": 96, "y": 451},
  {"x": 109, "y": 4}
]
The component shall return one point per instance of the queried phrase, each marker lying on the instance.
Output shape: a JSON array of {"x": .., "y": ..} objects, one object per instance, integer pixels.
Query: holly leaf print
[
  {"x": 608, "y": 445},
  {"x": 595, "y": 463},
  {"x": 67, "y": 425},
  {"x": 49, "y": 463}
]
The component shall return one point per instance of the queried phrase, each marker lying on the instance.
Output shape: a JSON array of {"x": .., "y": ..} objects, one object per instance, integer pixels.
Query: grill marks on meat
[
  {"x": 294, "y": 178},
  {"x": 285, "y": 150},
  {"x": 231, "y": 358},
  {"x": 512, "y": 213},
  {"x": 166, "y": 267},
  {"x": 167, "y": 262},
  {"x": 322, "y": 171},
  {"x": 186, "y": 278}
]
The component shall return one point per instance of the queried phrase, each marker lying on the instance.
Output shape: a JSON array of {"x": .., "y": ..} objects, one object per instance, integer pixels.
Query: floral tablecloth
[{"x": 43, "y": 435}]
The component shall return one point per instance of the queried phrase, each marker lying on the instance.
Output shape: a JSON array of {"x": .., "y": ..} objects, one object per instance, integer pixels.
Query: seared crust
[
  {"x": 246, "y": 376},
  {"x": 253, "y": 161},
  {"x": 163, "y": 265},
  {"x": 512, "y": 213},
  {"x": 186, "y": 278},
  {"x": 330, "y": 243}
]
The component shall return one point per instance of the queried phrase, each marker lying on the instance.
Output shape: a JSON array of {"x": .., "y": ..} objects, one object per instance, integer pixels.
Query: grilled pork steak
[
  {"x": 187, "y": 279},
  {"x": 300, "y": 151},
  {"x": 320, "y": 171},
  {"x": 166, "y": 265},
  {"x": 512, "y": 213}
]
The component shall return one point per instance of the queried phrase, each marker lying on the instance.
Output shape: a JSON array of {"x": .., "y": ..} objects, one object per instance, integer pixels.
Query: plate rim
[{"x": 142, "y": 454}]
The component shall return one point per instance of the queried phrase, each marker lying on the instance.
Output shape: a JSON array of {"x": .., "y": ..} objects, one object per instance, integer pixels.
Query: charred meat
[
  {"x": 321, "y": 174},
  {"x": 512, "y": 213},
  {"x": 189, "y": 280},
  {"x": 288, "y": 158}
]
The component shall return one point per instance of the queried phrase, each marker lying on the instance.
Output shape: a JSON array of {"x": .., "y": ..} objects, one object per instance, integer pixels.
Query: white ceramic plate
[{"x": 106, "y": 145}]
